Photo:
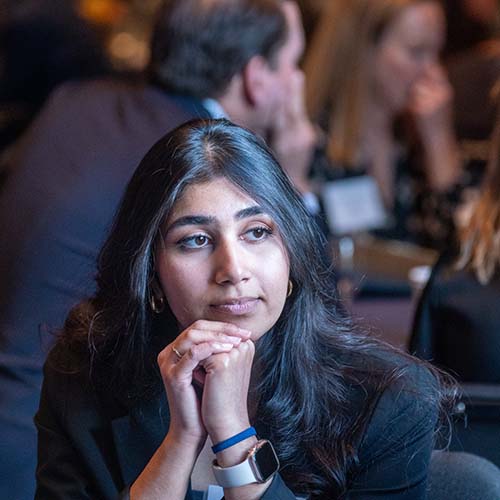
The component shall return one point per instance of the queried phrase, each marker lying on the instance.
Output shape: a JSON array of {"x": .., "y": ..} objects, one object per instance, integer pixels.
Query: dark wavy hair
[
  {"x": 198, "y": 47},
  {"x": 309, "y": 367}
]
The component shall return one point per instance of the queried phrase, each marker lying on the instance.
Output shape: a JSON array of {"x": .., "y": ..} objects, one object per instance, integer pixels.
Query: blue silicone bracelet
[{"x": 234, "y": 439}]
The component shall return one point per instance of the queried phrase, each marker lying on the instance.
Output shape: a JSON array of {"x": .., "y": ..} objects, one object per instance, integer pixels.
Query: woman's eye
[
  {"x": 195, "y": 241},
  {"x": 258, "y": 233}
]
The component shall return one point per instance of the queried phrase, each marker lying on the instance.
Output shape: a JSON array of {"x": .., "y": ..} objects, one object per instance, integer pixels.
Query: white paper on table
[{"x": 353, "y": 205}]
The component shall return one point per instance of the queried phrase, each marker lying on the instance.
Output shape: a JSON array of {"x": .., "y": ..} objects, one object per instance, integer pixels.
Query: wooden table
[{"x": 375, "y": 284}]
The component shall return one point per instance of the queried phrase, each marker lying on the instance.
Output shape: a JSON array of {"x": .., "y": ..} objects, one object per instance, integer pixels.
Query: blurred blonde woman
[
  {"x": 458, "y": 318},
  {"x": 371, "y": 62}
]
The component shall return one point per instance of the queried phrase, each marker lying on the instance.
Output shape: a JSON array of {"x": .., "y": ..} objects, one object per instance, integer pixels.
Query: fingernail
[
  {"x": 218, "y": 345},
  {"x": 229, "y": 338}
]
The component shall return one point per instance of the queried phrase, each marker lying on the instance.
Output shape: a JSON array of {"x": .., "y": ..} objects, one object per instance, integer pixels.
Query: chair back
[
  {"x": 462, "y": 476},
  {"x": 476, "y": 426}
]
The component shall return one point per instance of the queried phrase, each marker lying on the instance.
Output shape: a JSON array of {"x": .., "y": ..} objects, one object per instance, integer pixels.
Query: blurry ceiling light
[
  {"x": 102, "y": 11},
  {"x": 128, "y": 51}
]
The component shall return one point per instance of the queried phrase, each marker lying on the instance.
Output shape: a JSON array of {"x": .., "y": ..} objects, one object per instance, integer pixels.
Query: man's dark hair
[{"x": 199, "y": 45}]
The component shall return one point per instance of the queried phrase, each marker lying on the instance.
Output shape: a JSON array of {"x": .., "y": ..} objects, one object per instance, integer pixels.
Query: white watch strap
[{"x": 236, "y": 475}]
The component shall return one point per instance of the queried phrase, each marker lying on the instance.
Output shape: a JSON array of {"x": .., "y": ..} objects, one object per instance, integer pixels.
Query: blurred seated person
[
  {"x": 212, "y": 325},
  {"x": 472, "y": 60},
  {"x": 373, "y": 75},
  {"x": 458, "y": 318}
]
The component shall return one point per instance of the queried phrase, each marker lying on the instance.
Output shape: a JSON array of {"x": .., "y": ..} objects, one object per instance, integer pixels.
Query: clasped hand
[
  {"x": 293, "y": 136},
  {"x": 431, "y": 102},
  {"x": 217, "y": 357}
]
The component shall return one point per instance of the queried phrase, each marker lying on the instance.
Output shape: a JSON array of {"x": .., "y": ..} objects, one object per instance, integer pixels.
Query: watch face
[{"x": 266, "y": 461}]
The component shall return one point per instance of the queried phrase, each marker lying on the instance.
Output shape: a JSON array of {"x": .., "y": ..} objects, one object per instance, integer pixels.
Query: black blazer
[
  {"x": 68, "y": 175},
  {"x": 93, "y": 446},
  {"x": 457, "y": 324}
]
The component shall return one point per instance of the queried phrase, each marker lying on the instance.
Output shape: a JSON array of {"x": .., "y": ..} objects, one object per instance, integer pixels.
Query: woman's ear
[{"x": 256, "y": 75}]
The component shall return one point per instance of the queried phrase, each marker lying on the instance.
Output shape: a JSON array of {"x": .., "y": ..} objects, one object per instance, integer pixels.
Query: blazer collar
[{"x": 193, "y": 106}]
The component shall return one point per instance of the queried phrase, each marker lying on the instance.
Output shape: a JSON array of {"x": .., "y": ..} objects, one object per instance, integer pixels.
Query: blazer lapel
[{"x": 193, "y": 106}]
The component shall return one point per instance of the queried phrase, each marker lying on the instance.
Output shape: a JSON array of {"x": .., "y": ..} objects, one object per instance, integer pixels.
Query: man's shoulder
[
  {"x": 98, "y": 126},
  {"x": 110, "y": 94}
]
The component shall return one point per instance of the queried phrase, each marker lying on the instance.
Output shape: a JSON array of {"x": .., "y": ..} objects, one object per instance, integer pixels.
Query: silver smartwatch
[{"x": 261, "y": 464}]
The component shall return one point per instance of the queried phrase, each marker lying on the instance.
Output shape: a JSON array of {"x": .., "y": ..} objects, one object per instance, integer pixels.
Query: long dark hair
[{"x": 309, "y": 367}]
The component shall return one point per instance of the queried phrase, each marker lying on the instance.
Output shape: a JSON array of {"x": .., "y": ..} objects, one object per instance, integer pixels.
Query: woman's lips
[{"x": 237, "y": 307}]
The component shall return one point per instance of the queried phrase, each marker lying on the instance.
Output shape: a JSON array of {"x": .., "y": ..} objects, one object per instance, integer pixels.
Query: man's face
[{"x": 284, "y": 65}]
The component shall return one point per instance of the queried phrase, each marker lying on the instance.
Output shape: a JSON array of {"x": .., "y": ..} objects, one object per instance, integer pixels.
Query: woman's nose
[{"x": 231, "y": 264}]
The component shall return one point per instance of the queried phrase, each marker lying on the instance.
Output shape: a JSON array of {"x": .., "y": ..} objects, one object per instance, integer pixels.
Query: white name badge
[
  {"x": 353, "y": 205},
  {"x": 216, "y": 493},
  {"x": 213, "y": 493}
]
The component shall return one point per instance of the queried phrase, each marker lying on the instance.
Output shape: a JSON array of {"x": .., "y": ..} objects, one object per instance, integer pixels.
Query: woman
[
  {"x": 212, "y": 314},
  {"x": 387, "y": 52},
  {"x": 457, "y": 321}
]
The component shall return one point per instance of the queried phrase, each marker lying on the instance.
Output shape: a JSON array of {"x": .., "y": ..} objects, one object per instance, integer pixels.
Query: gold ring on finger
[{"x": 177, "y": 353}]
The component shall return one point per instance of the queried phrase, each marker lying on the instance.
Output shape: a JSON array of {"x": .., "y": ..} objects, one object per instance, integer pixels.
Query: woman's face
[
  {"x": 407, "y": 50},
  {"x": 221, "y": 258}
]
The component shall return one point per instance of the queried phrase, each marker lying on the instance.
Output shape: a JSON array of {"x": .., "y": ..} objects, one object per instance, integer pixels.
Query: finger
[
  {"x": 247, "y": 349},
  {"x": 427, "y": 104},
  {"x": 182, "y": 371},
  {"x": 172, "y": 355},
  {"x": 219, "y": 326},
  {"x": 436, "y": 85},
  {"x": 198, "y": 337},
  {"x": 199, "y": 375},
  {"x": 425, "y": 97},
  {"x": 240, "y": 354},
  {"x": 201, "y": 330},
  {"x": 292, "y": 109},
  {"x": 281, "y": 118},
  {"x": 183, "y": 343},
  {"x": 297, "y": 101}
]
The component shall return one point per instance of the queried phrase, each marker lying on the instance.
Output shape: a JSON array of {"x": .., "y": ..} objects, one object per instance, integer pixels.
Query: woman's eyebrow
[
  {"x": 191, "y": 220},
  {"x": 249, "y": 212},
  {"x": 205, "y": 220}
]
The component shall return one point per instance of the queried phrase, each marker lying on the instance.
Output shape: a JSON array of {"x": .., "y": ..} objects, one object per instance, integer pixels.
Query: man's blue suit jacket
[{"x": 68, "y": 174}]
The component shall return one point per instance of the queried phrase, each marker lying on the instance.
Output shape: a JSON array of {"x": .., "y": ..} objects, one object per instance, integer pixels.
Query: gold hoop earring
[
  {"x": 156, "y": 298},
  {"x": 289, "y": 289},
  {"x": 157, "y": 303}
]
